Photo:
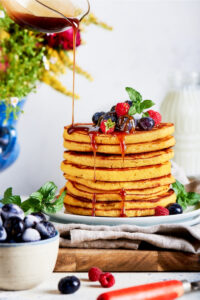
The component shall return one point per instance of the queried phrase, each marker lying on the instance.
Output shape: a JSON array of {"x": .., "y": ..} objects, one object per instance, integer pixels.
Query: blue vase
[{"x": 9, "y": 147}]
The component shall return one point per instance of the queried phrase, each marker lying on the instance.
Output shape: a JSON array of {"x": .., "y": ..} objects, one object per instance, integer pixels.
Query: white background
[{"x": 150, "y": 40}]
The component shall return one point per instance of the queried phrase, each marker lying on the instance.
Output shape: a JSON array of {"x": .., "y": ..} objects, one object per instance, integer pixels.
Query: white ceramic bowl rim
[{"x": 2, "y": 245}]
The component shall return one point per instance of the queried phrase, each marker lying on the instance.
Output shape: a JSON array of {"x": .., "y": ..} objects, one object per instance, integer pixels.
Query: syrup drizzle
[
  {"x": 123, "y": 196},
  {"x": 93, "y": 205}
]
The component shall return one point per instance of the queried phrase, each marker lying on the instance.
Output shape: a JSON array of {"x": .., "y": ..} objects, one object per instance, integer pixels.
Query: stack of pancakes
[{"x": 118, "y": 174}]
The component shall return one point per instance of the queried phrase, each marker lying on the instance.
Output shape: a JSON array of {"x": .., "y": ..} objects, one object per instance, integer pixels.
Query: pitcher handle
[{"x": 12, "y": 141}]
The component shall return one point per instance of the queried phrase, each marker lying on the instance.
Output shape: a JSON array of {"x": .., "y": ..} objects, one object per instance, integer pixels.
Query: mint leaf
[
  {"x": 132, "y": 111},
  {"x": 48, "y": 190},
  {"x": 31, "y": 205},
  {"x": 134, "y": 95},
  {"x": 145, "y": 115},
  {"x": 55, "y": 206},
  {"x": 8, "y": 193},
  {"x": 146, "y": 104},
  {"x": 12, "y": 199}
]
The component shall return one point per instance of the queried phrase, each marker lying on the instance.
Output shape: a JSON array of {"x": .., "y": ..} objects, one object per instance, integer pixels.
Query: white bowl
[{"x": 25, "y": 265}]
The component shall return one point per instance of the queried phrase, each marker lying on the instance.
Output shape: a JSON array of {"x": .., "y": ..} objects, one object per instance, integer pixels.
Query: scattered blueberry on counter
[
  {"x": 16, "y": 228},
  {"x": 69, "y": 285}
]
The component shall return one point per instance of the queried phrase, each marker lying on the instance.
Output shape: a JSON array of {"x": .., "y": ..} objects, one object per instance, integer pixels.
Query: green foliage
[
  {"x": 23, "y": 52},
  {"x": 138, "y": 105},
  {"x": 184, "y": 198},
  {"x": 43, "y": 200}
]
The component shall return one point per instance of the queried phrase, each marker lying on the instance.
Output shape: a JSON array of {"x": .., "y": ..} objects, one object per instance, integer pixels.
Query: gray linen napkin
[{"x": 171, "y": 236}]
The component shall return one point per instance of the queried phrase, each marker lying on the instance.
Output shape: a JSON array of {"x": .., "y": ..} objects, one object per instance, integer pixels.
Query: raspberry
[
  {"x": 122, "y": 109},
  {"x": 107, "y": 126},
  {"x": 94, "y": 274},
  {"x": 107, "y": 280},
  {"x": 156, "y": 116},
  {"x": 161, "y": 211}
]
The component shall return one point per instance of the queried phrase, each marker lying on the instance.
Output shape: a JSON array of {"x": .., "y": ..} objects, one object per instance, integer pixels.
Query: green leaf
[
  {"x": 145, "y": 115},
  {"x": 31, "y": 205},
  {"x": 146, "y": 104},
  {"x": 178, "y": 188},
  {"x": 132, "y": 111},
  {"x": 48, "y": 190},
  {"x": 12, "y": 199},
  {"x": 193, "y": 196},
  {"x": 134, "y": 95},
  {"x": 8, "y": 193},
  {"x": 55, "y": 206}
]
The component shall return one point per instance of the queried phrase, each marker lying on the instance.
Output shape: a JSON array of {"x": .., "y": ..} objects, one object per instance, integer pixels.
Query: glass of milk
[{"x": 181, "y": 106}]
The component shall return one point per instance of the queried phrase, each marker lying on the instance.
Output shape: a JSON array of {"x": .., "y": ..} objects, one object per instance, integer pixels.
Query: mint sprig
[
  {"x": 43, "y": 200},
  {"x": 184, "y": 198},
  {"x": 138, "y": 104}
]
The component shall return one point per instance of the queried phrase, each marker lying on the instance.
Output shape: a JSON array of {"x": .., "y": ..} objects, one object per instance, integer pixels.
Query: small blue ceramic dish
[{"x": 25, "y": 265}]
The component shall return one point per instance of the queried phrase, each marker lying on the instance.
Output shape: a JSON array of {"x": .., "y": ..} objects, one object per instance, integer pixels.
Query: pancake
[
  {"x": 155, "y": 145},
  {"x": 107, "y": 186},
  {"x": 116, "y": 161},
  {"x": 127, "y": 174},
  {"x": 79, "y": 191},
  {"x": 159, "y": 132},
  {"x": 113, "y": 208}
]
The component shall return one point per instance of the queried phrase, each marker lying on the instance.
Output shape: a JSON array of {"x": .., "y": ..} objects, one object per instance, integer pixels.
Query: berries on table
[
  {"x": 175, "y": 209},
  {"x": 14, "y": 227},
  {"x": 30, "y": 235},
  {"x": 46, "y": 229},
  {"x": 69, "y": 285},
  {"x": 94, "y": 274},
  {"x": 122, "y": 109},
  {"x": 12, "y": 210},
  {"x": 3, "y": 234},
  {"x": 40, "y": 216},
  {"x": 146, "y": 123},
  {"x": 107, "y": 126},
  {"x": 96, "y": 117},
  {"x": 31, "y": 221},
  {"x": 107, "y": 280},
  {"x": 125, "y": 124},
  {"x": 161, "y": 211}
]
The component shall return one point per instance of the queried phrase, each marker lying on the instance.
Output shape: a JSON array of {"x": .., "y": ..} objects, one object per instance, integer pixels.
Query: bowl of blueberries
[{"x": 28, "y": 248}]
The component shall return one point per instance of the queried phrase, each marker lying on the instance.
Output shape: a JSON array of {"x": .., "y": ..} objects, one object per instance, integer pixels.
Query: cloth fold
[{"x": 170, "y": 236}]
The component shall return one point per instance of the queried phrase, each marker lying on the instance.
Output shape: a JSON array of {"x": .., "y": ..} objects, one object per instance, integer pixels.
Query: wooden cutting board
[{"x": 118, "y": 260}]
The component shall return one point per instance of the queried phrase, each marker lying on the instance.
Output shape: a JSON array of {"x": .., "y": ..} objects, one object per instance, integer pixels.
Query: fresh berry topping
[
  {"x": 156, "y": 116},
  {"x": 129, "y": 102},
  {"x": 30, "y": 235},
  {"x": 175, "y": 209},
  {"x": 122, "y": 109},
  {"x": 107, "y": 280},
  {"x": 146, "y": 123},
  {"x": 12, "y": 210},
  {"x": 125, "y": 124},
  {"x": 69, "y": 285},
  {"x": 14, "y": 227},
  {"x": 46, "y": 229},
  {"x": 110, "y": 115},
  {"x": 3, "y": 234},
  {"x": 94, "y": 274},
  {"x": 107, "y": 126},
  {"x": 96, "y": 117},
  {"x": 161, "y": 211},
  {"x": 113, "y": 108}
]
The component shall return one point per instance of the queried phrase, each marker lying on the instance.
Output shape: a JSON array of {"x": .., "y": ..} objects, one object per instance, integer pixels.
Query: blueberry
[
  {"x": 40, "y": 216},
  {"x": 3, "y": 234},
  {"x": 125, "y": 124},
  {"x": 1, "y": 222},
  {"x": 12, "y": 210},
  {"x": 113, "y": 108},
  {"x": 31, "y": 221},
  {"x": 146, "y": 123},
  {"x": 14, "y": 227},
  {"x": 175, "y": 209},
  {"x": 30, "y": 235},
  {"x": 129, "y": 102},
  {"x": 110, "y": 115},
  {"x": 46, "y": 229},
  {"x": 96, "y": 117},
  {"x": 69, "y": 285}
]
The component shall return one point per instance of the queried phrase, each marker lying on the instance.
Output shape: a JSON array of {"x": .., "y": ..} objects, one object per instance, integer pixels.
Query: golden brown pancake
[
  {"x": 155, "y": 145},
  {"x": 83, "y": 192},
  {"x": 108, "y": 186},
  {"x": 116, "y": 161},
  {"x": 159, "y": 132},
  {"x": 114, "y": 208},
  {"x": 127, "y": 174}
]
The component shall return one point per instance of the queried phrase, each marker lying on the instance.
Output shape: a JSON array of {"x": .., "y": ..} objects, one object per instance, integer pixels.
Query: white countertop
[{"x": 90, "y": 290}]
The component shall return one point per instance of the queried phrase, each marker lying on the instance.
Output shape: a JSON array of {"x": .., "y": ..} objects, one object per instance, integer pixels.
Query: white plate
[{"x": 191, "y": 217}]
